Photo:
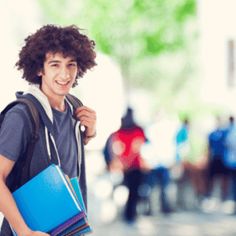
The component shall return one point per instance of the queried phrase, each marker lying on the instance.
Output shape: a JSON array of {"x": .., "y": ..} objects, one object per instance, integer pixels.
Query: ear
[{"x": 40, "y": 73}]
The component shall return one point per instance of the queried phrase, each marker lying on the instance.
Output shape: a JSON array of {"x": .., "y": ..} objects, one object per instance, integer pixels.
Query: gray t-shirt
[{"x": 15, "y": 134}]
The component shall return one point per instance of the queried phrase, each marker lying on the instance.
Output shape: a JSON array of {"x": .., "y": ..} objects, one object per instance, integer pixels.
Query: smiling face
[{"x": 58, "y": 75}]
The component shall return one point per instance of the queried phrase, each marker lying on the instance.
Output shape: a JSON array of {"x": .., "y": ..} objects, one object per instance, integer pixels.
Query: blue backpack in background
[{"x": 230, "y": 152}]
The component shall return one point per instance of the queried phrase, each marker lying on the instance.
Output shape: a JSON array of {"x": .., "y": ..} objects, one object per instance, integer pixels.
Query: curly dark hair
[{"x": 51, "y": 38}]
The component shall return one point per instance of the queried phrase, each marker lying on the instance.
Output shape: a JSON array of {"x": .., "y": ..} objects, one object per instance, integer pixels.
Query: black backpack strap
[
  {"x": 75, "y": 102},
  {"x": 22, "y": 166},
  {"x": 34, "y": 116}
]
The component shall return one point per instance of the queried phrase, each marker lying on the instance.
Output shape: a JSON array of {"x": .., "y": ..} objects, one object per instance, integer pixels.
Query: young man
[{"x": 52, "y": 60}]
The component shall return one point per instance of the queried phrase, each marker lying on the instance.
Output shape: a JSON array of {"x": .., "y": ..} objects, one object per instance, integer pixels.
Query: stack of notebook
[{"x": 52, "y": 203}]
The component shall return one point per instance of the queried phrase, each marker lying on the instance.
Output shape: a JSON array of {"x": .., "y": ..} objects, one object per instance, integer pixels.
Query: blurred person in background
[
  {"x": 158, "y": 152},
  {"x": 216, "y": 167},
  {"x": 190, "y": 166},
  {"x": 126, "y": 148},
  {"x": 230, "y": 156},
  {"x": 182, "y": 141},
  {"x": 107, "y": 152}
]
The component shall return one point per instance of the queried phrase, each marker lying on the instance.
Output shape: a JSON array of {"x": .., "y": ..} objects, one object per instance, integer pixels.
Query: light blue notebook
[
  {"x": 47, "y": 201},
  {"x": 76, "y": 187}
]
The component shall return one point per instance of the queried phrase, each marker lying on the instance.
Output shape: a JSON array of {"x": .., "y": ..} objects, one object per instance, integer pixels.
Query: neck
[{"x": 56, "y": 102}]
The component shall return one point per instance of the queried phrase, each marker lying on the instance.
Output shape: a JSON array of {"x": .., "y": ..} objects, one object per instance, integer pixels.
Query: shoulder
[
  {"x": 211, "y": 134},
  {"x": 139, "y": 129},
  {"x": 18, "y": 109},
  {"x": 18, "y": 114}
]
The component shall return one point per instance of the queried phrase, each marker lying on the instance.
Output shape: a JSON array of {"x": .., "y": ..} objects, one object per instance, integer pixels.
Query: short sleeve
[{"x": 14, "y": 133}]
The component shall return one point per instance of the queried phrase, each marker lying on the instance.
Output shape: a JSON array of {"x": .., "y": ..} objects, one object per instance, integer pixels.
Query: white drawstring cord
[
  {"x": 54, "y": 143},
  {"x": 47, "y": 143},
  {"x": 78, "y": 140},
  {"x": 47, "y": 136}
]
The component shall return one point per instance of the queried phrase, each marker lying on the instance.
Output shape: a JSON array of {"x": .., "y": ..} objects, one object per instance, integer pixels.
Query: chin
[{"x": 63, "y": 92}]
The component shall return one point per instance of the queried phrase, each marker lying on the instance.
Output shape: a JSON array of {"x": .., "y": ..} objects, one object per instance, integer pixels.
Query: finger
[
  {"x": 85, "y": 115},
  {"x": 87, "y": 122},
  {"x": 84, "y": 108}
]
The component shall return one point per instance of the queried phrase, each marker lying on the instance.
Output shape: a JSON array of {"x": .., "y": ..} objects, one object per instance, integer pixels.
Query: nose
[{"x": 64, "y": 73}]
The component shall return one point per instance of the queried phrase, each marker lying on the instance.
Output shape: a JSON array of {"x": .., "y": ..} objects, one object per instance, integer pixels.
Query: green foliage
[
  {"x": 140, "y": 35},
  {"x": 147, "y": 27}
]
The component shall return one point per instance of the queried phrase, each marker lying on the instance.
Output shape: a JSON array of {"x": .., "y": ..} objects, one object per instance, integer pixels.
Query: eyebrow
[
  {"x": 58, "y": 61},
  {"x": 53, "y": 61}
]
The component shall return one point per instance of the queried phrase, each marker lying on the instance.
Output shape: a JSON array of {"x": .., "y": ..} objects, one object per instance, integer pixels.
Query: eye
[
  {"x": 73, "y": 64},
  {"x": 54, "y": 65}
]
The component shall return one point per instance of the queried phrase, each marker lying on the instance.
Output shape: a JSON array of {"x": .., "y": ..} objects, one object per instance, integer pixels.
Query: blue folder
[{"x": 47, "y": 200}]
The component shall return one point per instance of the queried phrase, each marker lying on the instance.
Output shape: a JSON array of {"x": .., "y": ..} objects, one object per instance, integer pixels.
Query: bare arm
[{"x": 7, "y": 204}]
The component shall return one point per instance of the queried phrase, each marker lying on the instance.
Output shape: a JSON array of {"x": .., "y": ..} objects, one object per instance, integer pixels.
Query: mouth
[{"x": 63, "y": 83}]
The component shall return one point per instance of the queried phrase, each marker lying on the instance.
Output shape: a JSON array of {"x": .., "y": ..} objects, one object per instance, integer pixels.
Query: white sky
[{"x": 18, "y": 18}]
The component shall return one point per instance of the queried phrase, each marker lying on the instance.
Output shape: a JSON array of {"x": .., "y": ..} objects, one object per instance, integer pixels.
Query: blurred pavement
[{"x": 177, "y": 224}]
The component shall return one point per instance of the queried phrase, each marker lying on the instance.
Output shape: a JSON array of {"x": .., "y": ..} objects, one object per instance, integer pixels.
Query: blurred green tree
[{"x": 152, "y": 41}]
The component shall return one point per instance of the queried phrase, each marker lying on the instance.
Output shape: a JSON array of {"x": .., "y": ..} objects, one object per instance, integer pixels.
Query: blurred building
[{"x": 217, "y": 47}]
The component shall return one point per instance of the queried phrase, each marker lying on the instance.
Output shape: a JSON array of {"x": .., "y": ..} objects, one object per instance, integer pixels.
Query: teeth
[{"x": 62, "y": 83}]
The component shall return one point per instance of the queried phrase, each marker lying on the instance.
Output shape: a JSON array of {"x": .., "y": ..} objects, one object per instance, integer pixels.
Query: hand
[
  {"x": 34, "y": 233},
  {"x": 87, "y": 118},
  {"x": 38, "y": 233}
]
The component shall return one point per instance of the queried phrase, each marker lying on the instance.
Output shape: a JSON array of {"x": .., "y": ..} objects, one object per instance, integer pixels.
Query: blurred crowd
[{"x": 153, "y": 159}]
